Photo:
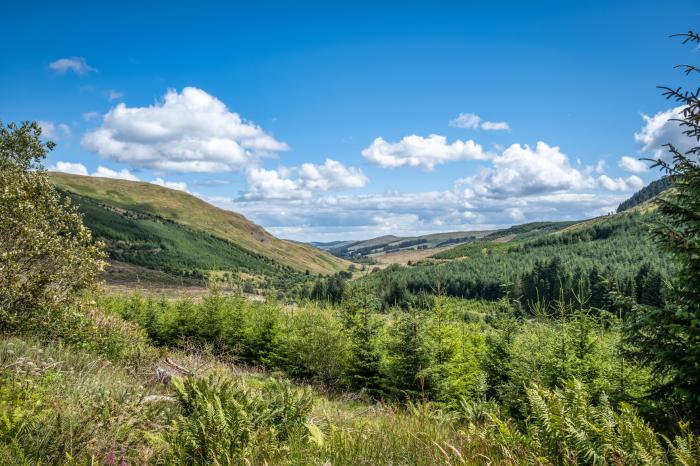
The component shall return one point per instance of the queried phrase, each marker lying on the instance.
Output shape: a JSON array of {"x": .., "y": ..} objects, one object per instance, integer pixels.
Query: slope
[{"x": 189, "y": 211}]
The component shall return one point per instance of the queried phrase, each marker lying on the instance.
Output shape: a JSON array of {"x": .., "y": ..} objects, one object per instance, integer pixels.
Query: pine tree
[
  {"x": 406, "y": 361},
  {"x": 668, "y": 337}
]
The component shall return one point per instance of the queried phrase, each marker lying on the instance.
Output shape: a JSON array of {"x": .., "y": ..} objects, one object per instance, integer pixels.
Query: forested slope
[{"x": 610, "y": 253}]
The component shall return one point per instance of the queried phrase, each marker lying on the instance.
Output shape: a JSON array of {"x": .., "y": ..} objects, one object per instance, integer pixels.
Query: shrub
[{"x": 47, "y": 256}]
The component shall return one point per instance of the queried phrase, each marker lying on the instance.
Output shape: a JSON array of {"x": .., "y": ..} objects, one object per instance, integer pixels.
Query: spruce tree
[{"x": 668, "y": 337}]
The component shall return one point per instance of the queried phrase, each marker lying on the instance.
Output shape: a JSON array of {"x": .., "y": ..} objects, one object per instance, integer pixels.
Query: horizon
[{"x": 325, "y": 123}]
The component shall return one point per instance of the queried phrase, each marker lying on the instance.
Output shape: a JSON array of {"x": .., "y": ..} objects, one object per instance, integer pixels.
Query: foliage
[
  {"x": 668, "y": 337},
  {"x": 224, "y": 423},
  {"x": 47, "y": 256},
  {"x": 566, "y": 428}
]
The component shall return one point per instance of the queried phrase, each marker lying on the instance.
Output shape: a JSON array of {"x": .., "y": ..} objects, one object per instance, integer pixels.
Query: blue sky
[{"x": 334, "y": 121}]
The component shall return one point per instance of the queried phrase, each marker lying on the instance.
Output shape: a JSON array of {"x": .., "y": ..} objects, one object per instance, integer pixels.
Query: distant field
[{"x": 406, "y": 256}]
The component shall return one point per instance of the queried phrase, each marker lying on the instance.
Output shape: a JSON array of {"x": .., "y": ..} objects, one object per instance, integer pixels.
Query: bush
[{"x": 47, "y": 256}]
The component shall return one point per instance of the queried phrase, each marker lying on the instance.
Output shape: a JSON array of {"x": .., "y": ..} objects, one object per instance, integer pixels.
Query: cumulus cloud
[
  {"x": 473, "y": 121},
  {"x": 425, "y": 153},
  {"x": 190, "y": 131},
  {"x": 77, "y": 65},
  {"x": 620, "y": 184},
  {"x": 331, "y": 175},
  {"x": 310, "y": 178},
  {"x": 523, "y": 184},
  {"x": 54, "y": 130},
  {"x": 633, "y": 165},
  {"x": 662, "y": 128},
  {"x": 271, "y": 184},
  {"x": 523, "y": 170}
]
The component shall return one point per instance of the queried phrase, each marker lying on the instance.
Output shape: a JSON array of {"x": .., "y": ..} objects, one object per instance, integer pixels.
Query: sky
[{"x": 348, "y": 120}]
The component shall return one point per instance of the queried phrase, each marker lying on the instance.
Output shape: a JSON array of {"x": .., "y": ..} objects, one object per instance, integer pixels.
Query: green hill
[{"x": 197, "y": 233}]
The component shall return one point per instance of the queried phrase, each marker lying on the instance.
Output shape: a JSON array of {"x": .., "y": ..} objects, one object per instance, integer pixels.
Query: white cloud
[
  {"x": 333, "y": 217},
  {"x": 178, "y": 185},
  {"x": 78, "y": 65},
  {"x": 122, "y": 174},
  {"x": 417, "y": 151},
  {"x": 632, "y": 165},
  {"x": 114, "y": 94},
  {"x": 466, "y": 120},
  {"x": 52, "y": 130},
  {"x": 331, "y": 175},
  {"x": 620, "y": 184},
  {"x": 661, "y": 129},
  {"x": 522, "y": 170},
  {"x": 473, "y": 121},
  {"x": 70, "y": 167},
  {"x": 271, "y": 184},
  {"x": 278, "y": 184},
  {"x": 495, "y": 126},
  {"x": 190, "y": 131},
  {"x": 600, "y": 167}
]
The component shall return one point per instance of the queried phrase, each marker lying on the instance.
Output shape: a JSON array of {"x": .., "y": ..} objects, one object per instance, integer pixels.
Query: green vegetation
[
  {"x": 610, "y": 254},
  {"x": 157, "y": 243},
  {"x": 191, "y": 212}
]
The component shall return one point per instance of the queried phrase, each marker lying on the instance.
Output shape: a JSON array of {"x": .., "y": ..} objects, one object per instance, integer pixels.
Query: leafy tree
[
  {"x": 668, "y": 337},
  {"x": 47, "y": 256}
]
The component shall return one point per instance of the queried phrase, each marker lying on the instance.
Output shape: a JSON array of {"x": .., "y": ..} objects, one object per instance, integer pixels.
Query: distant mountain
[
  {"x": 165, "y": 229},
  {"x": 390, "y": 243},
  {"x": 647, "y": 192}
]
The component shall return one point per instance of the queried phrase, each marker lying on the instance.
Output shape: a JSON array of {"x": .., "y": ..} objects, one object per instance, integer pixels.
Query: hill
[
  {"x": 649, "y": 191},
  {"x": 187, "y": 216}
]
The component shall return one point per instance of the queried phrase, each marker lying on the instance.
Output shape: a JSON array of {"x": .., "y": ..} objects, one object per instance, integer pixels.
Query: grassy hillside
[
  {"x": 196, "y": 214},
  {"x": 156, "y": 243}
]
